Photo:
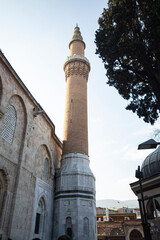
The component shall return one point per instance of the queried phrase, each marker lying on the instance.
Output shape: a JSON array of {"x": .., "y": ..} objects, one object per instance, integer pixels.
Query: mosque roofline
[
  {"x": 153, "y": 180},
  {"x": 9, "y": 66},
  {"x": 145, "y": 179}
]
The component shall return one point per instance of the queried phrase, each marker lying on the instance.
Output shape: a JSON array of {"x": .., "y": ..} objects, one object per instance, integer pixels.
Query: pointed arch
[
  {"x": 40, "y": 219},
  {"x": 20, "y": 132},
  {"x": 15, "y": 121},
  {"x": 17, "y": 102},
  {"x": 43, "y": 165},
  {"x": 135, "y": 234},
  {"x": 69, "y": 226}
]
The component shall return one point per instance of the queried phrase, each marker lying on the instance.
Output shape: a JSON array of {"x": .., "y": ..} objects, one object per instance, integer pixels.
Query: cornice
[{"x": 75, "y": 58}]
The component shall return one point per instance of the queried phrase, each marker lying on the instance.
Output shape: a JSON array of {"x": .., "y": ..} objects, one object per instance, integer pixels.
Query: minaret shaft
[
  {"x": 77, "y": 47},
  {"x": 75, "y": 138},
  {"x": 76, "y": 67}
]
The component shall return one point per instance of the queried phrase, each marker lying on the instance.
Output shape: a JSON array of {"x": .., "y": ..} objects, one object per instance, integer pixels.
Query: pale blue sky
[{"x": 34, "y": 37}]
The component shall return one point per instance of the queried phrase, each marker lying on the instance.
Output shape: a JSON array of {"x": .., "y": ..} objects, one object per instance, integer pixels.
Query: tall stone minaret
[{"x": 75, "y": 209}]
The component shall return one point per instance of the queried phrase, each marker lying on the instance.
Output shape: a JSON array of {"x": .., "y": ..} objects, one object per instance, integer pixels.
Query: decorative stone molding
[
  {"x": 77, "y": 68},
  {"x": 77, "y": 65},
  {"x": 76, "y": 57}
]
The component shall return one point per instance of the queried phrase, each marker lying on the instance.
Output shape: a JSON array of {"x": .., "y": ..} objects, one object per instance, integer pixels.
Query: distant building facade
[
  {"x": 116, "y": 224},
  {"x": 46, "y": 188}
]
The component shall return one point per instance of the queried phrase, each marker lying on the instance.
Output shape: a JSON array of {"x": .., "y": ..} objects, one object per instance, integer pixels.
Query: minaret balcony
[{"x": 75, "y": 65}]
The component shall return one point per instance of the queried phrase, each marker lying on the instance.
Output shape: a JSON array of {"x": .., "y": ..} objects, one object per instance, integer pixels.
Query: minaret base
[{"x": 75, "y": 207}]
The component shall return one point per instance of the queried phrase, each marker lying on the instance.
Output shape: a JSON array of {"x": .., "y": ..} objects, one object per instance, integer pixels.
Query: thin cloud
[
  {"x": 147, "y": 131},
  {"x": 130, "y": 153}
]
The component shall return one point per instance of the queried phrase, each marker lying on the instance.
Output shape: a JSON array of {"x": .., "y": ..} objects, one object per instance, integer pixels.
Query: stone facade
[
  {"x": 118, "y": 223},
  {"x": 75, "y": 191},
  {"x": 126, "y": 230},
  {"x": 29, "y": 154}
]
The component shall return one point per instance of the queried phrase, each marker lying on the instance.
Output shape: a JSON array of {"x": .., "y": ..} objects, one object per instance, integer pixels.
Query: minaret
[
  {"x": 76, "y": 67},
  {"x": 75, "y": 209}
]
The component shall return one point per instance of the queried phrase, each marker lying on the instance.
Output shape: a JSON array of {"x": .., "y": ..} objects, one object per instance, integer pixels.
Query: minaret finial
[{"x": 76, "y": 36}]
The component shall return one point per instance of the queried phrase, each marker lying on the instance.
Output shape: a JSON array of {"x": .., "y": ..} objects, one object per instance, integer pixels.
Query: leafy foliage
[{"x": 128, "y": 42}]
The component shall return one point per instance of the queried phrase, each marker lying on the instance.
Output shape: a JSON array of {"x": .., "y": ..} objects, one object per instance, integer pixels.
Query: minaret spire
[
  {"x": 77, "y": 34},
  {"x": 77, "y": 44}
]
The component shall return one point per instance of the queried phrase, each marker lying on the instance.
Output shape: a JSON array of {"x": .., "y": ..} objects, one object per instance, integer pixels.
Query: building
[
  {"x": 151, "y": 191},
  {"x": 118, "y": 224},
  {"x": 44, "y": 184}
]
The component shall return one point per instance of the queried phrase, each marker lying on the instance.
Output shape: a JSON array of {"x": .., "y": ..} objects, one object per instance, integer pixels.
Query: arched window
[
  {"x": 86, "y": 226},
  {"x": 69, "y": 226},
  {"x": 9, "y": 124},
  {"x": 46, "y": 169},
  {"x": 40, "y": 219},
  {"x": 135, "y": 234}
]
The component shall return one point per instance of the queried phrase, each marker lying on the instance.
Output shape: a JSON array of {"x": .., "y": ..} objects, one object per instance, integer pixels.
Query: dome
[{"x": 151, "y": 165}]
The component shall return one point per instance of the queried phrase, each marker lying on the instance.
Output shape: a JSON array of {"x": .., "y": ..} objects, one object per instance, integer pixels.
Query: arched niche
[
  {"x": 86, "y": 226},
  {"x": 42, "y": 163},
  {"x": 40, "y": 219},
  {"x": 69, "y": 230},
  {"x": 135, "y": 235},
  {"x": 21, "y": 119}
]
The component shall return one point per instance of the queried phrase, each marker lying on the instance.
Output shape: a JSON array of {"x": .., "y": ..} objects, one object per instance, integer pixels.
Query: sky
[{"x": 34, "y": 37}]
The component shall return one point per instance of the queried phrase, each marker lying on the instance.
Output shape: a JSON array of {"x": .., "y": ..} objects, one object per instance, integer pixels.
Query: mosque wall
[{"x": 29, "y": 154}]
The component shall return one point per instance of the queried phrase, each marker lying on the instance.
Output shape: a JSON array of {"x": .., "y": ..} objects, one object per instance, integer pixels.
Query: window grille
[{"x": 9, "y": 124}]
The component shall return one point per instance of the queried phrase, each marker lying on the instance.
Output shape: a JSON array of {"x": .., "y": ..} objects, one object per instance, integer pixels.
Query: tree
[{"x": 128, "y": 42}]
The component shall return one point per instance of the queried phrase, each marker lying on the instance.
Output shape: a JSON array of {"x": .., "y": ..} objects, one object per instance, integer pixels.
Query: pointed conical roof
[{"x": 76, "y": 35}]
